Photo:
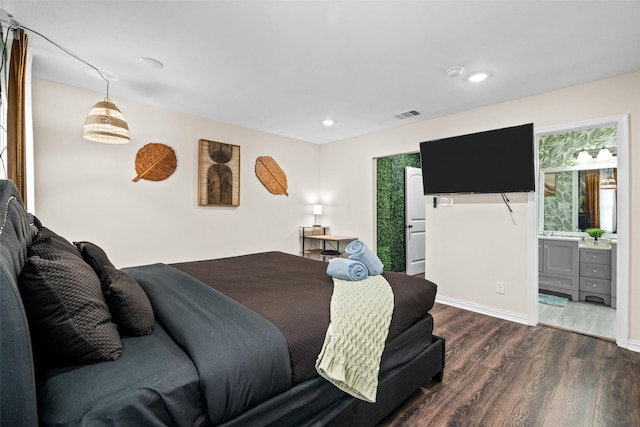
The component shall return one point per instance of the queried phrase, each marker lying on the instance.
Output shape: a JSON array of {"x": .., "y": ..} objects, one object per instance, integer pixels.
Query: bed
[{"x": 230, "y": 342}]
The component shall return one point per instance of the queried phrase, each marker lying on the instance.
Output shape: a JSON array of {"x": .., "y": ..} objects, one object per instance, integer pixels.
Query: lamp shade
[
  {"x": 317, "y": 209},
  {"x": 608, "y": 183},
  {"x": 105, "y": 123}
]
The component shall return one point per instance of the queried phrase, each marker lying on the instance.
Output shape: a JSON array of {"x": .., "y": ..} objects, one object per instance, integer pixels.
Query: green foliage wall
[{"x": 390, "y": 209}]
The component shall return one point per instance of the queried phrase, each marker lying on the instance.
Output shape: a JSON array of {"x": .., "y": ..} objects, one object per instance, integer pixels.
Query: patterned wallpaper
[{"x": 558, "y": 150}]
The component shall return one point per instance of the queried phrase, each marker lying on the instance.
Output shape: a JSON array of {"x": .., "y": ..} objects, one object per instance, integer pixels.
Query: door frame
[{"x": 623, "y": 235}]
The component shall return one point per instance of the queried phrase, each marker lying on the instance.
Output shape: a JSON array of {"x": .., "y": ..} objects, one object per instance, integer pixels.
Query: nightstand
[{"x": 330, "y": 243}]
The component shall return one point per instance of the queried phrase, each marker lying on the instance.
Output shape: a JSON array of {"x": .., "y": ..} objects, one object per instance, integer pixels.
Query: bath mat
[{"x": 552, "y": 300}]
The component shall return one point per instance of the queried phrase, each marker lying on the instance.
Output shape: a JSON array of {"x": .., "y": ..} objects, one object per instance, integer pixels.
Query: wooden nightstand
[{"x": 319, "y": 234}]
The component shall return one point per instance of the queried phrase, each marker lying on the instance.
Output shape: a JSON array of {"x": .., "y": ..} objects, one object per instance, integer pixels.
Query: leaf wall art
[
  {"x": 271, "y": 175},
  {"x": 155, "y": 162}
]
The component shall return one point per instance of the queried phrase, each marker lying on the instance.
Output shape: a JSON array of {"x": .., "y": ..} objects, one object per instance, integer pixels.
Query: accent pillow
[
  {"x": 69, "y": 319},
  {"x": 47, "y": 240},
  {"x": 94, "y": 256},
  {"x": 128, "y": 304}
]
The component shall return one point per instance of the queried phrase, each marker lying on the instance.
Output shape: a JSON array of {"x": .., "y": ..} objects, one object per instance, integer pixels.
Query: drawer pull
[
  {"x": 594, "y": 256},
  {"x": 594, "y": 270},
  {"x": 595, "y": 286}
]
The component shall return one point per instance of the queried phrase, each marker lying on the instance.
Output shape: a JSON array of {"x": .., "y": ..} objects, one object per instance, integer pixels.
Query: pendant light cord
[{"x": 14, "y": 25}]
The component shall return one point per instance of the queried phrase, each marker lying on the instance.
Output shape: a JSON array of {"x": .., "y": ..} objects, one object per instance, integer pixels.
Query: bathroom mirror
[{"x": 575, "y": 198}]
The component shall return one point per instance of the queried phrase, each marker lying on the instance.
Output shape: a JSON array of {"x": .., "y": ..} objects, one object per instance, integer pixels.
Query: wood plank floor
[{"x": 500, "y": 373}]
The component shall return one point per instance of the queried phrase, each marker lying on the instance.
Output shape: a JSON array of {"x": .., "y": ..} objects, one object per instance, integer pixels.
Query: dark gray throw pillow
[
  {"x": 128, "y": 304},
  {"x": 94, "y": 256},
  {"x": 69, "y": 319},
  {"x": 47, "y": 240}
]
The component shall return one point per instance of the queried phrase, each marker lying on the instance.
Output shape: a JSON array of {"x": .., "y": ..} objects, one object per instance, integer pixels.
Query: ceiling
[{"x": 283, "y": 66}]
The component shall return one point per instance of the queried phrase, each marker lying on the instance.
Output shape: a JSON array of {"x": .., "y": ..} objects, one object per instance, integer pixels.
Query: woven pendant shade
[{"x": 105, "y": 123}]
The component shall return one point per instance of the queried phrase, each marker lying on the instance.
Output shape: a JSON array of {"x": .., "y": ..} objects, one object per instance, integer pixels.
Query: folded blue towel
[
  {"x": 357, "y": 251},
  {"x": 346, "y": 269}
]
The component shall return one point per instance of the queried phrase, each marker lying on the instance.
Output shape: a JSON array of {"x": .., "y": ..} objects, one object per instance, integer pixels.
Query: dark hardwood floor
[{"x": 500, "y": 373}]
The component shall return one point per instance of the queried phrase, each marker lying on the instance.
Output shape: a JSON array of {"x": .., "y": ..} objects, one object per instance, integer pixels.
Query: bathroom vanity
[{"x": 579, "y": 270}]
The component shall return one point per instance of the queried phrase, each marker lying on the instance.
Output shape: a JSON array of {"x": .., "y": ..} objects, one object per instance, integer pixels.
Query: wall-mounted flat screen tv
[{"x": 494, "y": 161}]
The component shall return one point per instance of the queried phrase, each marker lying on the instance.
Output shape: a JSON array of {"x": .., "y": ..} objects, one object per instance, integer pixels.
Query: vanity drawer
[
  {"x": 600, "y": 271},
  {"x": 595, "y": 256},
  {"x": 588, "y": 284},
  {"x": 567, "y": 283}
]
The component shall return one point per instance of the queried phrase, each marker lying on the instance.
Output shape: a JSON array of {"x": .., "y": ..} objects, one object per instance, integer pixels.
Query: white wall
[
  {"x": 84, "y": 190},
  {"x": 464, "y": 263}
]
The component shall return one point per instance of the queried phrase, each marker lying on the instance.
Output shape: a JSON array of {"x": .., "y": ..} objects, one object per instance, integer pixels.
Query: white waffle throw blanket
[{"x": 360, "y": 318}]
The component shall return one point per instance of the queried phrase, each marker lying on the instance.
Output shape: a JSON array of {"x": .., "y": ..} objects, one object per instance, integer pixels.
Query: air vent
[{"x": 407, "y": 114}]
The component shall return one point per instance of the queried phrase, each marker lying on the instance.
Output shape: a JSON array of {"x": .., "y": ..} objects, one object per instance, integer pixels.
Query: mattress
[{"x": 294, "y": 293}]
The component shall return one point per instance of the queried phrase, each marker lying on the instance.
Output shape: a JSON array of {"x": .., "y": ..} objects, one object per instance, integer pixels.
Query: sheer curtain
[{"x": 608, "y": 204}]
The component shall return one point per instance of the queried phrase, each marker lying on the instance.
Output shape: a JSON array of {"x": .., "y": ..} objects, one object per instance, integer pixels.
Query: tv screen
[{"x": 494, "y": 161}]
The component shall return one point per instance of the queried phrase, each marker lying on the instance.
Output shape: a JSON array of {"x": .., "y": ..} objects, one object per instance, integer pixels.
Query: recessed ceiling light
[
  {"x": 478, "y": 77},
  {"x": 151, "y": 62},
  {"x": 328, "y": 122}
]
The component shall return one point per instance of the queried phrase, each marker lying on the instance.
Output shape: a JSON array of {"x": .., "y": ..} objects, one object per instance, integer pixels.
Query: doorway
[
  {"x": 390, "y": 209},
  {"x": 564, "y": 143}
]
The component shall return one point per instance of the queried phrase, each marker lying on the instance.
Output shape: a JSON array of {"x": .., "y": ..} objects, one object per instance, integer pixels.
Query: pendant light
[
  {"x": 608, "y": 182},
  {"x": 105, "y": 122}
]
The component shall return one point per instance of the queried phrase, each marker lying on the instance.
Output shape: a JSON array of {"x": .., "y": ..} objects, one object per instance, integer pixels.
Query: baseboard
[
  {"x": 483, "y": 309},
  {"x": 634, "y": 346}
]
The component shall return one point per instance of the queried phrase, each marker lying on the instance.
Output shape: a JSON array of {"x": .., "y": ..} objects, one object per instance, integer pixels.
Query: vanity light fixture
[
  {"x": 604, "y": 155},
  {"x": 584, "y": 156}
]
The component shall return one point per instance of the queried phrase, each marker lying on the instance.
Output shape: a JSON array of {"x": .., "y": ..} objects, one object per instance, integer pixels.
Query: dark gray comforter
[
  {"x": 242, "y": 359},
  {"x": 208, "y": 360},
  {"x": 153, "y": 384}
]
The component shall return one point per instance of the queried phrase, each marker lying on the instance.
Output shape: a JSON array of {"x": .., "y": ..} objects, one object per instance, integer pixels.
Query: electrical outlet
[{"x": 500, "y": 288}]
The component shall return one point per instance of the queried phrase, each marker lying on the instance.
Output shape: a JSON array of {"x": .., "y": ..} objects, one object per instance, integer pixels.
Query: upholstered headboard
[{"x": 17, "y": 378}]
